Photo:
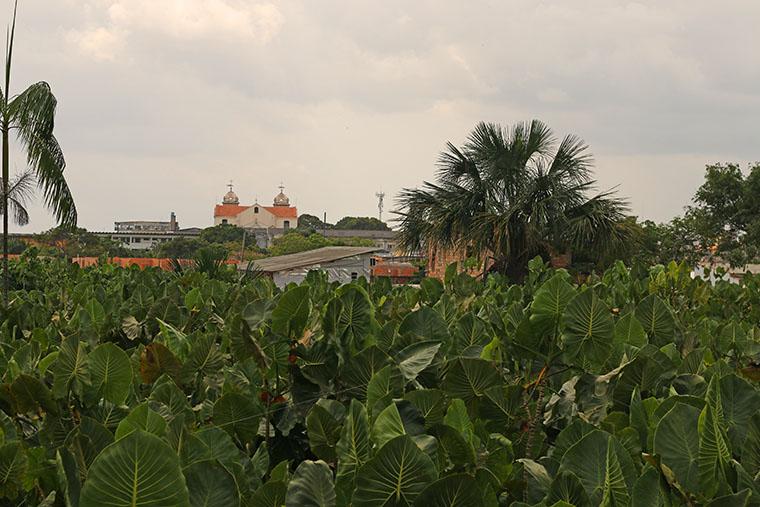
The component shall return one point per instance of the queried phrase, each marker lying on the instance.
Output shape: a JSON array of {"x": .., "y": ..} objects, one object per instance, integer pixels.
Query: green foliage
[
  {"x": 511, "y": 194},
  {"x": 297, "y": 241},
  {"x": 178, "y": 388},
  {"x": 361, "y": 223}
]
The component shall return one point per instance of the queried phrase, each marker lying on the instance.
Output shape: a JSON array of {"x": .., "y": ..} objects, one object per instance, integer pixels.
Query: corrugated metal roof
[{"x": 311, "y": 257}]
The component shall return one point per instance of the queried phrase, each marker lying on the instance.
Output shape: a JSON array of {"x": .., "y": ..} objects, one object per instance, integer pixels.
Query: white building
[{"x": 281, "y": 215}]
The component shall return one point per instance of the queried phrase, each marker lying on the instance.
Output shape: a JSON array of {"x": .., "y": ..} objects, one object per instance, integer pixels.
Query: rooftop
[{"x": 311, "y": 257}]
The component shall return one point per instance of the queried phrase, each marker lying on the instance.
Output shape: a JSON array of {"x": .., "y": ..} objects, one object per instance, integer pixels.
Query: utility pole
[{"x": 380, "y": 196}]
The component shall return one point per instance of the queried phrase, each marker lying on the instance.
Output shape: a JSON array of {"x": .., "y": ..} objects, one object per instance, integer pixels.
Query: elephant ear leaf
[
  {"x": 111, "y": 372},
  {"x": 458, "y": 490},
  {"x": 311, "y": 486},
  {"x": 589, "y": 329},
  {"x": 676, "y": 441},
  {"x": 353, "y": 447},
  {"x": 657, "y": 319},
  {"x": 139, "y": 469},
  {"x": 602, "y": 465},
  {"x": 292, "y": 312},
  {"x": 714, "y": 452},
  {"x": 13, "y": 467},
  {"x": 71, "y": 372},
  {"x": 142, "y": 418},
  {"x": 209, "y": 483},
  {"x": 395, "y": 476}
]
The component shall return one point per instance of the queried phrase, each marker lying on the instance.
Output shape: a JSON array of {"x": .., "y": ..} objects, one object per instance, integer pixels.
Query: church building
[{"x": 281, "y": 215}]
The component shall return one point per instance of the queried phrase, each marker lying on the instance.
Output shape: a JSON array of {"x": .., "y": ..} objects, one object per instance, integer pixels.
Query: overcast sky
[{"x": 161, "y": 102}]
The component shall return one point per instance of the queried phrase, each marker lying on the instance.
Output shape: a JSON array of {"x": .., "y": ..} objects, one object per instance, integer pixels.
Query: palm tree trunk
[{"x": 6, "y": 278}]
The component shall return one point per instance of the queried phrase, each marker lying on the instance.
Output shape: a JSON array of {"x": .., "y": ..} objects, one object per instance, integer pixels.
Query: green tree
[
  {"x": 512, "y": 194},
  {"x": 725, "y": 216},
  {"x": 361, "y": 224},
  {"x": 222, "y": 233},
  {"x": 181, "y": 248},
  {"x": 31, "y": 116},
  {"x": 294, "y": 242},
  {"x": 312, "y": 222}
]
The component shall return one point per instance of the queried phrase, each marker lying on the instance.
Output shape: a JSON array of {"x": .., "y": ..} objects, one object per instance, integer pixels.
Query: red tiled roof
[
  {"x": 282, "y": 211},
  {"x": 228, "y": 210}
]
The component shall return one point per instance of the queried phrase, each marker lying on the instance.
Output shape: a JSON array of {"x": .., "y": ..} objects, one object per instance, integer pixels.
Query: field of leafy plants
[{"x": 123, "y": 387}]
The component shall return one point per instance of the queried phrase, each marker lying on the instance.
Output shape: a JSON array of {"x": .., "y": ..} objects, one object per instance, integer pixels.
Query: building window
[
  {"x": 286, "y": 224},
  {"x": 372, "y": 261},
  {"x": 354, "y": 275},
  {"x": 256, "y": 209},
  {"x": 224, "y": 220}
]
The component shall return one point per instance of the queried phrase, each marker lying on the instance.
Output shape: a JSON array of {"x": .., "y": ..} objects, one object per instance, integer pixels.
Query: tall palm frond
[
  {"x": 20, "y": 191},
  {"x": 30, "y": 115},
  {"x": 512, "y": 193}
]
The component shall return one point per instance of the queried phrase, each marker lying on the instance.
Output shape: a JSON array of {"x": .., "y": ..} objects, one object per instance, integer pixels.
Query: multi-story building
[{"x": 144, "y": 234}]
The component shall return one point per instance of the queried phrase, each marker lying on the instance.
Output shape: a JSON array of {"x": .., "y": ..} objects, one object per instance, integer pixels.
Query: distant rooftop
[{"x": 311, "y": 257}]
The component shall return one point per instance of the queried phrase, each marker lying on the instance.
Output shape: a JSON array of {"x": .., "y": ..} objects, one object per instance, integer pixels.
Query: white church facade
[{"x": 281, "y": 215}]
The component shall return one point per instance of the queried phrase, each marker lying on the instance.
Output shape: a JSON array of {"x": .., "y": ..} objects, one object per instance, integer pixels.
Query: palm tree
[
  {"x": 30, "y": 115},
  {"x": 512, "y": 194}
]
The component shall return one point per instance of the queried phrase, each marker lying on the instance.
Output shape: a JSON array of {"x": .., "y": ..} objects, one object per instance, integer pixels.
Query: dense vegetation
[
  {"x": 129, "y": 387},
  {"x": 511, "y": 193}
]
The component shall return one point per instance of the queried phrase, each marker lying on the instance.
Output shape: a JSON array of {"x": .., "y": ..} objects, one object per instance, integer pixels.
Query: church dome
[
  {"x": 281, "y": 199},
  {"x": 230, "y": 197}
]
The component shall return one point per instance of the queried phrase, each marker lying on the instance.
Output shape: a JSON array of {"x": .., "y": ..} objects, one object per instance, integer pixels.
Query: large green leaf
[
  {"x": 469, "y": 378},
  {"x": 209, "y": 484},
  {"x": 31, "y": 395},
  {"x": 353, "y": 448},
  {"x": 348, "y": 319},
  {"x": 739, "y": 400},
  {"x": 751, "y": 448},
  {"x": 589, "y": 329},
  {"x": 13, "y": 467},
  {"x": 416, "y": 357},
  {"x": 657, "y": 319},
  {"x": 550, "y": 302},
  {"x": 238, "y": 415},
  {"x": 384, "y": 386},
  {"x": 140, "y": 469},
  {"x": 457, "y": 490},
  {"x": 111, "y": 372},
  {"x": 324, "y": 431},
  {"x": 602, "y": 465},
  {"x": 142, "y": 418},
  {"x": 676, "y": 441},
  {"x": 311, "y": 486},
  {"x": 395, "y": 476},
  {"x": 271, "y": 494},
  {"x": 629, "y": 331},
  {"x": 387, "y": 426},
  {"x": 292, "y": 312},
  {"x": 566, "y": 487},
  {"x": 424, "y": 324},
  {"x": 71, "y": 372},
  {"x": 714, "y": 452}
]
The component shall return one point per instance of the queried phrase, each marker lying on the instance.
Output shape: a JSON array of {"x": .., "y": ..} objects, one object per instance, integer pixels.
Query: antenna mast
[{"x": 380, "y": 196}]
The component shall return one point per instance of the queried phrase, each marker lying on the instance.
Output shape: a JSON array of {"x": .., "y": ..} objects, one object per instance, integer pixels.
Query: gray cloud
[{"x": 162, "y": 102}]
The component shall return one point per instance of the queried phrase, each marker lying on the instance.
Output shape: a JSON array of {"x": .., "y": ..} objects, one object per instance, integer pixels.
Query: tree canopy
[
  {"x": 361, "y": 223},
  {"x": 511, "y": 194}
]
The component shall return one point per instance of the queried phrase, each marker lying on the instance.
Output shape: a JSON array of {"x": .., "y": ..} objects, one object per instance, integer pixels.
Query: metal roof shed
[{"x": 341, "y": 263}]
